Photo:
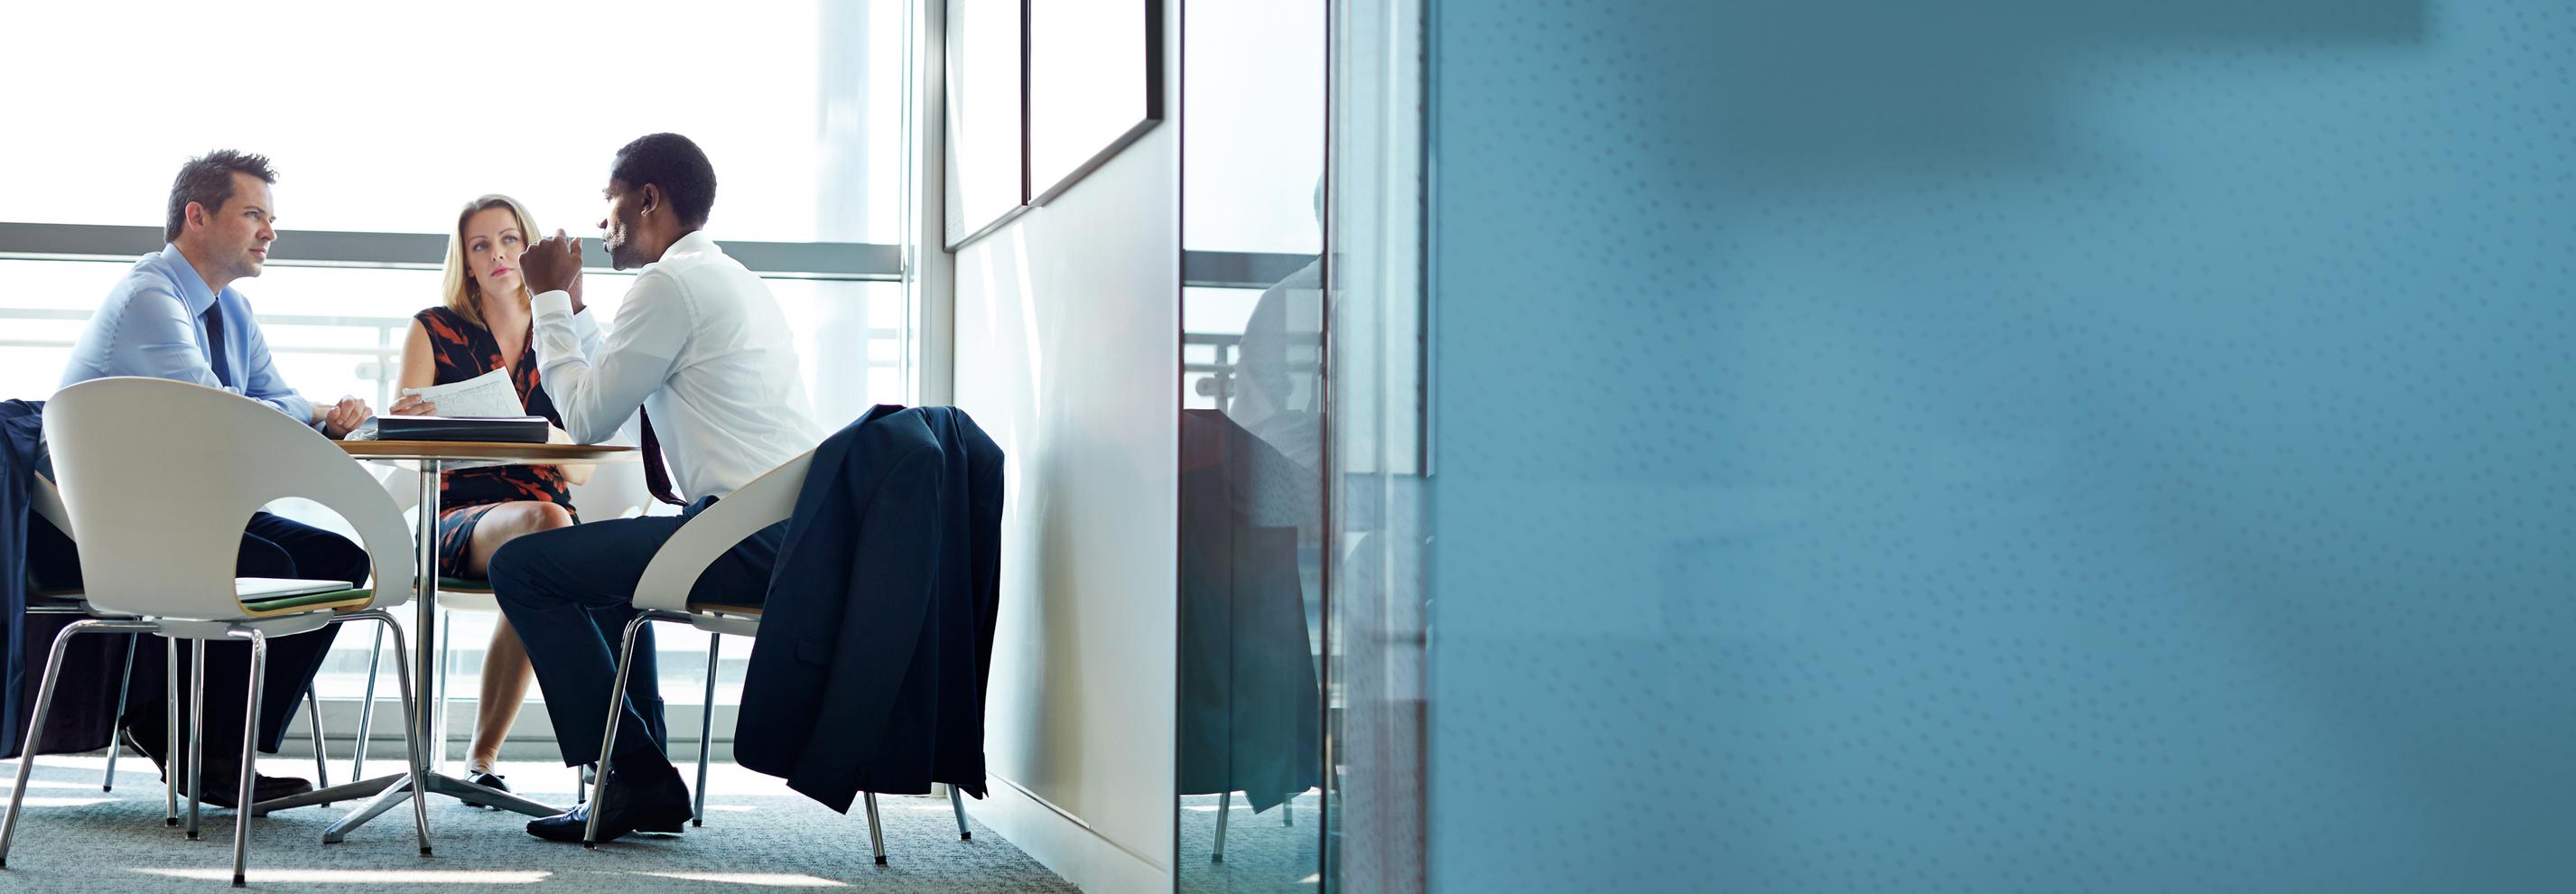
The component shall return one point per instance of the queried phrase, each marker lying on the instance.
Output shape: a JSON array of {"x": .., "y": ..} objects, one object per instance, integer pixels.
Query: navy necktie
[{"x": 214, "y": 317}]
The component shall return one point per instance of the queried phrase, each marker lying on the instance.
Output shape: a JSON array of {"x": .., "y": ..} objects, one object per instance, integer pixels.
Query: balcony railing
[{"x": 377, "y": 360}]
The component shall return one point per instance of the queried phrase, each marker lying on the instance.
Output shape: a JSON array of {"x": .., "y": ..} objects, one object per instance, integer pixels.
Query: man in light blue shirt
[{"x": 176, "y": 316}]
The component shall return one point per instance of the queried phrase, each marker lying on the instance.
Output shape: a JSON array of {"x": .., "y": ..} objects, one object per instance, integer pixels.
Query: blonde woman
[{"x": 483, "y": 325}]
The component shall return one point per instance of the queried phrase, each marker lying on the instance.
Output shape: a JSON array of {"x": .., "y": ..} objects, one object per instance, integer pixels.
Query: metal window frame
[{"x": 836, "y": 261}]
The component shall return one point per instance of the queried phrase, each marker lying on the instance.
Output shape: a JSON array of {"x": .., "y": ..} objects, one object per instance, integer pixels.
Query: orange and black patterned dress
[{"x": 464, "y": 349}]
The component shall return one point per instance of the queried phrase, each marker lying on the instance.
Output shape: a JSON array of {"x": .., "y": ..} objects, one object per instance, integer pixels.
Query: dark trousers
[
  {"x": 270, "y": 547},
  {"x": 569, "y": 591}
]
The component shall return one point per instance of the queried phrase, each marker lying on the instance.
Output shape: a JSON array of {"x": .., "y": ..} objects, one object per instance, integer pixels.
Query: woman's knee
[
  {"x": 524, "y": 518},
  {"x": 510, "y": 521},
  {"x": 549, "y": 516},
  {"x": 506, "y": 530}
]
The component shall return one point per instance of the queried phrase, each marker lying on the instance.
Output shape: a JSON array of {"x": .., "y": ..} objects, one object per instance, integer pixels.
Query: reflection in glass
[
  {"x": 1253, "y": 560},
  {"x": 1251, "y": 586}
]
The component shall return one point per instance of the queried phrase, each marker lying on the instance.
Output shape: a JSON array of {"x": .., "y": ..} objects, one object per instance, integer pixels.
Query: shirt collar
[
  {"x": 193, "y": 293},
  {"x": 697, "y": 242}
]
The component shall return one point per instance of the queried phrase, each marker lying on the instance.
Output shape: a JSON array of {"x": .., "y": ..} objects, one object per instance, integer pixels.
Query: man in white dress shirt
[{"x": 701, "y": 349}]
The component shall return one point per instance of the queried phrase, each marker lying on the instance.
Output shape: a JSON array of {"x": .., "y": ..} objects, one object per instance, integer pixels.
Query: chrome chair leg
[
  {"x": 706, "y": 730},
  {"x": 321, "y": 753},
  {"x": 170, "y": 745},
  {"x": 196, "y": 732},
  {"x": 367, "y": 709},
  {"x": 249, "y": 755},
  {"x": 35, "y": 728},
  {"x": 581, "y": 776},
  {"x": 957, "y": 804},
  {"x": 1288, "y": 813},
  {"x": 446, "y": 672},
  {"x": 1224, "y": 805},
  {"x": 414, "y": 751},
  {"x": 876, "y": 835},
  {"x": 608, "y": 735},
  {"x": 115, "y": 740}
]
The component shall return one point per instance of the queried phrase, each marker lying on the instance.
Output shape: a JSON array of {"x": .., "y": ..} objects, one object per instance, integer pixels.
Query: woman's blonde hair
[{"x": 462, "y": 293}]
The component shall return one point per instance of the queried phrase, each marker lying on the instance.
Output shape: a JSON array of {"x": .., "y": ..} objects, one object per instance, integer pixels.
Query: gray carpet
[{"x": 758, "y": 835}]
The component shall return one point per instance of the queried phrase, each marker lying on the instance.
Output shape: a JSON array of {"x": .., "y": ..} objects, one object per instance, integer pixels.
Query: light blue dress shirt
[{"x": 150, "y": 325}]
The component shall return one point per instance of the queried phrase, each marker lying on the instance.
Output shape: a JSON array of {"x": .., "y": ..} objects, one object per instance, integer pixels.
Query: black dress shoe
[
  {"x": 135, "y": 740},
  {"x": 262, "y": 788},
  {"x": 223, "y": 778},
  {"x": 125, "y": 735},
  {"x": 661, "y": 806}
]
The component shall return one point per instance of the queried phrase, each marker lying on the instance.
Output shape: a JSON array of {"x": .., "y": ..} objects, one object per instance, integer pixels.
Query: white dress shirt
[{"x": 702, "y": 346}]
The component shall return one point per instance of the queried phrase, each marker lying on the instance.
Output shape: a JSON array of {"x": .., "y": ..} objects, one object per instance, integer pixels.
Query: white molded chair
[
  {"x": 161, "y": 527},
  {"x": 47, "y": 502},
  {"x": 662, "y": 594}
]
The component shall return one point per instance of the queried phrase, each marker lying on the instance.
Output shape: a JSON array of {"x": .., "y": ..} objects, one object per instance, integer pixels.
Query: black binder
[{"x": 502, "y": 429}]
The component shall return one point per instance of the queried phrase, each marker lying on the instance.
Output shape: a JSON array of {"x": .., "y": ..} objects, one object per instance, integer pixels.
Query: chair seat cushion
[{"x": 464, "y": 585}]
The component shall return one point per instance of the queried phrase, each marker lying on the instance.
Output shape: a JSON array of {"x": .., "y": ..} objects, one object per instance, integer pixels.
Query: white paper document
[{"x": 489, "y": 394}]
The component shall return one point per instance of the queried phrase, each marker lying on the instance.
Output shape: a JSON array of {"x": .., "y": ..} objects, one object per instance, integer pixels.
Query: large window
[{"x": 385, "y": 119}]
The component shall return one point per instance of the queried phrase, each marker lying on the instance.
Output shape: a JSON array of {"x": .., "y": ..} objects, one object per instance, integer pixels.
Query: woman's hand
[{"x": 412, "y": 405}]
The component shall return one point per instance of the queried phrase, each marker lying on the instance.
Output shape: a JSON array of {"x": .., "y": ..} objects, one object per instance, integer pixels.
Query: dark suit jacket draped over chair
[
  {"x": 84, "y": 713},
  {"x": 868, "y": 672}
]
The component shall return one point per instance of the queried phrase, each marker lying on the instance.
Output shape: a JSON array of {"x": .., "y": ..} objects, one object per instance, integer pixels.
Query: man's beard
[{"x": 621, "y": 252}]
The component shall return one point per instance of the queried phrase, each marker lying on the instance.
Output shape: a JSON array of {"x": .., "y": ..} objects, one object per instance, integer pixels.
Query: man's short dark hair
[
  {"x": 670, "y": 161},
  {"x": 208, "y": 180}
]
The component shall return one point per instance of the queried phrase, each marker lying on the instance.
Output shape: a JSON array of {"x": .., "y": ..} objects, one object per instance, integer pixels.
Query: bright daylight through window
[{"x": 799, "y": 105}]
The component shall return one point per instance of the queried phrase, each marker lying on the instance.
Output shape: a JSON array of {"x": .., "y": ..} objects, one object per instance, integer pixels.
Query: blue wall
[{"x": 2021, "y": 446}]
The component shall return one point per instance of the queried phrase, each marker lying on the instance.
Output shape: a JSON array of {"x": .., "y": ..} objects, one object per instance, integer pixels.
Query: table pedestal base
[{"x": 389, "y": 792}]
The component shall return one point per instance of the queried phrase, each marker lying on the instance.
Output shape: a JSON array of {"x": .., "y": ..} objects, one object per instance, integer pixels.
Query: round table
[{"x": 436, "y": 457}]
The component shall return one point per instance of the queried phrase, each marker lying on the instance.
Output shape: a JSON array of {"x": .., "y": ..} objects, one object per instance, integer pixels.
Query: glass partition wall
[{"x": 1254, "y": 562}]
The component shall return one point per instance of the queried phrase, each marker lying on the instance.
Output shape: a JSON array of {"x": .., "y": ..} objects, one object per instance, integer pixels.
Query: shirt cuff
[{"x": 554, "y": 302}]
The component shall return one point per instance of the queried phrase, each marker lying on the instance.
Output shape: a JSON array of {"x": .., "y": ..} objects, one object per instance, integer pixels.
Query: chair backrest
[
  {"x": 401, "y": 481},
  {"x": 767, "y": 500},
  {"x": 159, "y": 478}
]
